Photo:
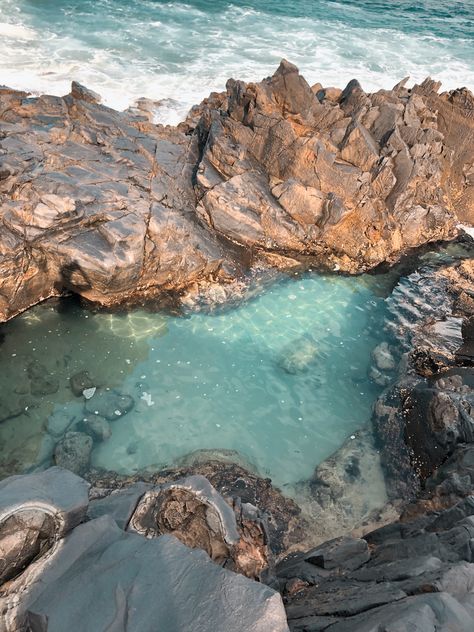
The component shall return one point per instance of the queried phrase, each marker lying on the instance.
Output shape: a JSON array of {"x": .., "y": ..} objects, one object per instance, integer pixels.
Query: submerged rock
[
  {"x": 265, "y": 174},
  {"x": 109, "y": 404},
  {"x": 59, "y": 422},
  {"x": 80, "y": 382},
  {"x": 300, "y": 355},
  {"x": 73, "y": 452},
  {"x": 383, "y": 358},
  {"x": 41, "y": 381},
  {"x": 98, "y": 427}
]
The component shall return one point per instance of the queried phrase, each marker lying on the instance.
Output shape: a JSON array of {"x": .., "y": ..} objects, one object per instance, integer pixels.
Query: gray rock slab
[
  {"x": 56, "y": 491},
  {"x": 343, "y": 597},
  {"x": 345, "y": 553},
  {"x": 435, "y": 612},
  {"x": 120, "y": 504},
  {"x": 103, "y": 578},
  {"x": 109, "y": 404}
]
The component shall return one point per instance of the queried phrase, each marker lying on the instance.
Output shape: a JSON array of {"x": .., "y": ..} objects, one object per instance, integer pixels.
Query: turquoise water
[
  {"x": 282, "y": 379},
  {"x": 180, "y": 51}
]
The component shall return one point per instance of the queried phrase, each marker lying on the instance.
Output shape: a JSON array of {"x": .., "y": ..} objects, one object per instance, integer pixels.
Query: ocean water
[
  {"x": 177, "y": 52},
  {"x": 281, "y": 379}
]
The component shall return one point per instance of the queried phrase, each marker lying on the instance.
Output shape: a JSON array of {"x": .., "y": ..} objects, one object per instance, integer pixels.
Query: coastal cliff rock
[
  {"x": 117, "y": 209},
  {"x": 428, "y": 412},
  {"x": 58, "y": 562}
]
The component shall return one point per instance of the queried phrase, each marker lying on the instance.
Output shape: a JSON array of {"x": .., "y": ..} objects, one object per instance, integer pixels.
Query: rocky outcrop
[
  {"x": 116, "y": 209},
  {"x": 62, "y": 562},
  {"x": 427, "y": 413},
  {"x": 414, "y": 575},
  {"x": 34, "y": 512},
  {"x": 282, "y": 525}
]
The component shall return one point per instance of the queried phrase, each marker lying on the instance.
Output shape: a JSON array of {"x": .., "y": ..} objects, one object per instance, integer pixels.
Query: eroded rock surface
[
  {"x": 423, "y": 418},
  {"x": 117, "y": 209},
  {"x": 281, "y": 520},
  {"x": 35, "y": 511},
  {"x": 411, "y": 575},
  {"x": 121, "y": 565}
]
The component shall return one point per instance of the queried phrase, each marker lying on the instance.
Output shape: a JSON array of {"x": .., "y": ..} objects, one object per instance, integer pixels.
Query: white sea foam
[
  {"x": 16, "y": 31},
  {"x": 174, "y": 51}
]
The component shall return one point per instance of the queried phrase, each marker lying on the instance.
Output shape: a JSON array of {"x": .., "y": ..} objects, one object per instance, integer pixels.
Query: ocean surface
[{"x": 177, "y": 52}]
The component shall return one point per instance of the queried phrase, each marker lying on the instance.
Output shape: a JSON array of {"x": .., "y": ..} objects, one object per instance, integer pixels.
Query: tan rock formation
[{"x": 117, "y": 209}]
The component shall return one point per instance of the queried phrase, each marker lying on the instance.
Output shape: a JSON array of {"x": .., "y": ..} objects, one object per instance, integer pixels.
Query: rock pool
[{"x": 282, "y": 378}]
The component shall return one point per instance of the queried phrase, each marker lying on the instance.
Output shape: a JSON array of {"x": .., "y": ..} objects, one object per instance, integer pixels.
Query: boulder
[
  {"x": 110, "y": 404},
  {"x": 73, "y": 452},
  {"x": 35, "y": 510},
  {"x": 96, "y": 426},
  {"x": 80, "y": 382},
  {"x": 193, "y": 511}
]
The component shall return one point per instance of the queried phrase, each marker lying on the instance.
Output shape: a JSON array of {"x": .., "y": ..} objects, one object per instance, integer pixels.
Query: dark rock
[
  {"x": 343, "y": 553},
  {"x": 312, "y": 624},
  {"x": 109, "y": 404},
  {"x": 295, "y": 566},
  {"x": 398, "y": 570},
  {"x": 41, "y": 382},
  {"x": 78, "y": 91},
  {"x": 426, "y": 613},
  {"x": 97, "y": 427},
  {"x": 342, "y": 597},
  {"x": 80, "y": 381},
  {"x": 73, "y": 452}
]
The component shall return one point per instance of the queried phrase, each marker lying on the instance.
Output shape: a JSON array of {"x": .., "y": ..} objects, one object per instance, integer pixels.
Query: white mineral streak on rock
[{"x": 469, "y": 230}]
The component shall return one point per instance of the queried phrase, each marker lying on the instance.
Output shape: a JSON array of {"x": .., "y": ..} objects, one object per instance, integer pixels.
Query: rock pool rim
[{"x": 252, "y": 285}]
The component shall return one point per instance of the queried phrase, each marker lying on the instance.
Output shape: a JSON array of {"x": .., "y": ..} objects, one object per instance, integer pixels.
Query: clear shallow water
[
  {"x": 182, "y": 50},
  {"x": 281, "y": 379}
]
